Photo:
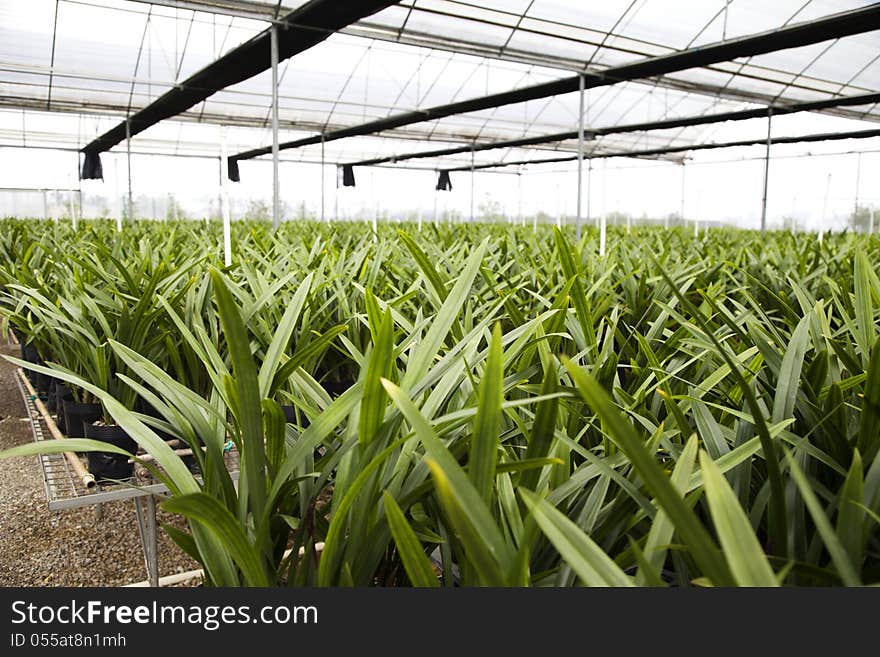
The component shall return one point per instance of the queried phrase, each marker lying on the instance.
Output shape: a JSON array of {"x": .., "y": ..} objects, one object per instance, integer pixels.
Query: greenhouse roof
[{"x": 71, "y": 69}]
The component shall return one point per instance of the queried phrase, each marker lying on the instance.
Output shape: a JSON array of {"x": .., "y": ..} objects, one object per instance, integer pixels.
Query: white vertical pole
[
  {"x": 220, "y": 164},
  {"x": 375, "y": 203},
  {"x": 116, "y": 204},
  {"x": 472, "y": 186},
  {"x": 72, "y": 208},
  {"x": 589, "y": 187},
  {"x": 858, "y": 179},
  {"x": 224, "y": 195},
  {"x": 558, "y": 208},
  {"x": 603, "y": 221},
  {"x": 323, "y": 218},
  {"x": 766, "y": 173},
  {"x": 45, "y": 206},
  {"x": 435, "y": 207},
  {"x": 130, "y": 212},
  {"x": 276, "y": 198},
  {"x": 824, "y": 209},
  {"x": 522, "y": 219},
  {"x": 580, "y": 183},
  {"x": 684, "y": 199},
  {"x": 871, "y": 221}
]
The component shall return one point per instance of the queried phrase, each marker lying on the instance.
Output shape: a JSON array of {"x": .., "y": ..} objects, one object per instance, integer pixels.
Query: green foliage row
[{"x": 521, "y": 411}]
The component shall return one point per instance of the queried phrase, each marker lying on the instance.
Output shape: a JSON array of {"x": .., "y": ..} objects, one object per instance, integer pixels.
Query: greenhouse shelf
[{"x": 64, "y": 491}]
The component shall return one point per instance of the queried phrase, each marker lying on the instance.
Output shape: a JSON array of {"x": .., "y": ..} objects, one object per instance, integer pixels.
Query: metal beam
[
  {"x": 304, "y": 28},
  {"x": 367, "y": 29},
  {"x": 260, "y": 11},
  {"x": 654, "y": 152},
  {"x": 740, "y": 115},
  {"x": 856, "y": 21}
]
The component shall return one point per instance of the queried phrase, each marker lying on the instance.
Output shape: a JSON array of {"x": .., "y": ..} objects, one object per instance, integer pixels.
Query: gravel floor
[{"x": 39, "y": 547}]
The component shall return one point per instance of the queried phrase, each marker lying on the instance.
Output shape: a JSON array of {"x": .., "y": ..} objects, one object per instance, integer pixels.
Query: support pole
[
  {"x": 472, "y": 185},
  {"x": 684, "y": 200},
  {"x": 130, "y": 210},
  {"x": 871, "y": 221},
  {"x": 580, "y": 183},
  {"x": 224, "y": 196},
  {"x": 45, "y": 206},
  {"x": 522, "y": 219},
  {"x": 323, "y": 218},
  {"x": 117, "y": 204},
  {"x": 70, "y": 203},
  {"x": 589, "y": 187},
  {"x": 766, "y": 173},
  {"x": 858, "y": 180},
  {"x": 824, "y": 209},
  {"x": 145, "y": 510},
  {"x": 276, "y": 199},
  {"x": 435, "y": 208},
  {"x": 603, "y": 221}
]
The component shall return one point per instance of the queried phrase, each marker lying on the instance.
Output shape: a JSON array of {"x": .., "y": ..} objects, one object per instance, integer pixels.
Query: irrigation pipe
[
  {"x": 177, "y": 578},
  {"x": 86, "y": 477},
  {"x": 146, "y": 458}
]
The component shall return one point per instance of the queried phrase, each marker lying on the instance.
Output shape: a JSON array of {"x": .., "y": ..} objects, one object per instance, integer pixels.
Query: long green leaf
[
  {"x": 580, "y": 552},
  {"x": 688, "y": 526},
  {"x": 484, "y": 444},
  {"x": 415, "y": 562}
]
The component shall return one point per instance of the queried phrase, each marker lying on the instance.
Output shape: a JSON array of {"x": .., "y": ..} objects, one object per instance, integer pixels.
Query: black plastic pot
[
  {"x": 290, "y": 415},
  {"x": 336, "y": 388},
  {"x": 106, "y": 465},
  {"x": 31, "y": 355},
  {"x": 58, "y": 395},
  {"x": 76, "y": 415},
  {"x": 44, "y": 384},
  {"x": 145, "y": 408},
  {"x": 51, "y": 399}
]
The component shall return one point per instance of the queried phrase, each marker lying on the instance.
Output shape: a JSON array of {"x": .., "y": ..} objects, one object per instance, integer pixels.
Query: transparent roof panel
[{"x": 114, "y": 55}]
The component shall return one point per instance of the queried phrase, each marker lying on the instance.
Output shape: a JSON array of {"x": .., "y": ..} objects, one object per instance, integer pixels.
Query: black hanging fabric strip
[
  {"x": 348, "y": 176},
  {"x": 444, "y": 184},
  {"x": 92, "y": 169}
]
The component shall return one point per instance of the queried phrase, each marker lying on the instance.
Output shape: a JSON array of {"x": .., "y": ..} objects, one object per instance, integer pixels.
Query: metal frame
[
  {"x": 305, "y": 27},
  {"x": 655, "y": 152},
  {"x": 63, "y": 491},
  {"x": 847, "y": 23},
  {"x": 706, "y": 119},
  {"x": 539, "y": 28}
]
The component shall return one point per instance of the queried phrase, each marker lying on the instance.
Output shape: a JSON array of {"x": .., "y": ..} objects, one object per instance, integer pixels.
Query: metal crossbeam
[
  {"x": 655, "y": 152},
  {"x": 838, "y": 25},
  {"x": 740, "y": 115},
  {"x": 304, "y": 27}
]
